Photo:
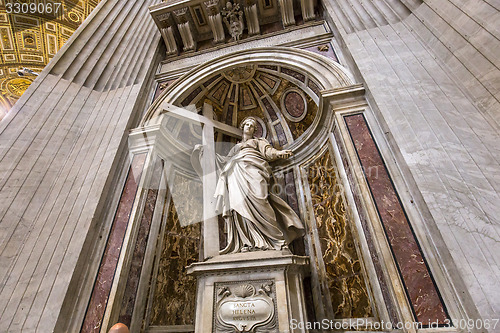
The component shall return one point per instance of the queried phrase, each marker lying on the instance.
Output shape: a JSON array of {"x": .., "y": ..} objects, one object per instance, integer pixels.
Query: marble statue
[{"x": 255, "y": 218}]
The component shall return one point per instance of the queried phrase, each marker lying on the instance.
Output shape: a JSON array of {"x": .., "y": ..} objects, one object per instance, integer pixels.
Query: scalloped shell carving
[{"x": 244, "y": 290}]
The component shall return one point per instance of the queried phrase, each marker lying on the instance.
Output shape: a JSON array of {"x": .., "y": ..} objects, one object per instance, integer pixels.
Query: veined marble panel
[
  {"x": 345, "y": 279},
  {"x": 141, "y": 242},
  {"x": 417, "y": 279},
  {"x": 175, "y": 291},
  {"x": 107, "y": 268}
]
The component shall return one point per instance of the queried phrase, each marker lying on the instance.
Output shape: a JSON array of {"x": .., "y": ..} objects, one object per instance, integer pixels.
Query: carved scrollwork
[{"x": 233, "y": 18}]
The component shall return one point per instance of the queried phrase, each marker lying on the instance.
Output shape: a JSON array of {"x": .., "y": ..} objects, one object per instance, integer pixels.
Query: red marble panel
[
  {"x": 270, "y": 67},
  {"x": 383, "y": 283},
  {"x": 314, "y": 87},
  {"x": 293, "y": 73},
  {"x": 189, "y": 98},
  {"x": 161, "y": 88},
  {"x": 417, "y": 279},
  {"x": 211, "y": 80},
  {"x": 269, "y": 109},
  {"x": 107, "y": 268},
  {"x": 294, "y": 104},
  {"x": 134, "y": 275}
]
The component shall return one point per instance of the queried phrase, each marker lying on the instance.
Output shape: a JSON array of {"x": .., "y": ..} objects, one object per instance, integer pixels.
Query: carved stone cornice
[{"x": 196, "y": 21}]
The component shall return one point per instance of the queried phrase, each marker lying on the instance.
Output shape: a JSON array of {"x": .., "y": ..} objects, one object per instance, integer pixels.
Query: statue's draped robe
[{"x": 255, "y": 218}]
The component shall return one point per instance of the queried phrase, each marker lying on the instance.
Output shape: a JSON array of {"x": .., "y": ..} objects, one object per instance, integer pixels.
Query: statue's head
[
  {"x": 250, "y": 121},
  {"x": 229, "y": 5}
]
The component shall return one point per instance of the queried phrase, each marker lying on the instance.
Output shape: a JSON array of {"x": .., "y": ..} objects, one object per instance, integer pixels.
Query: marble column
[
  {"x": 416, "y": 277},
  {"x": 102, "y": 295}
]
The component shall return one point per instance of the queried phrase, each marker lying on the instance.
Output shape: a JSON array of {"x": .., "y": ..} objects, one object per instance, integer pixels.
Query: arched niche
[
  {"x": 294, "y": 113},
  {"x": 353, "y": 274},
  {"x": 300, "y": 87}
]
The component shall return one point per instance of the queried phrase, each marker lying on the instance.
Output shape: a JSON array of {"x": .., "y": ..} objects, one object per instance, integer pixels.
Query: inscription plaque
[{"x": 248, "y": 307}]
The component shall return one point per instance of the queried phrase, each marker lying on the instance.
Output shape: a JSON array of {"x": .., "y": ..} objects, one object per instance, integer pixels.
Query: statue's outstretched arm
[{"x": 272, "y": 153}]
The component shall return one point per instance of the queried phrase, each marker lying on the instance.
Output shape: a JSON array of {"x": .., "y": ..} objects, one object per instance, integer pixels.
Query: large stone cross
[{"x": 209, "y": 179}]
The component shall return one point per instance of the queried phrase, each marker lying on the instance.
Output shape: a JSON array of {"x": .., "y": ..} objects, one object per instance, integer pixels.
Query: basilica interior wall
[
  {"x": 432, "y": 79},
  {"x": 59, "y": 146},
  {"x": 431, "y": 90}
]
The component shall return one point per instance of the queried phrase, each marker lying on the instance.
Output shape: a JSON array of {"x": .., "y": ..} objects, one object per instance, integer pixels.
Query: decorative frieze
[{"x": 201, "y": 21}]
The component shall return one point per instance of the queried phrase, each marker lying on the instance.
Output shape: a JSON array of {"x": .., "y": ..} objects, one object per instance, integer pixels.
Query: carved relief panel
[{"x": 245, "y": 307}]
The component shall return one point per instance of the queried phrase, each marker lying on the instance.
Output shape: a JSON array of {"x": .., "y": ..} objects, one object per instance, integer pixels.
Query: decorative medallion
[
  {"x": 74, "y": 17},
  {"x": 294, "y": 105},
  {"x": 245, "y": 307},
  {"x": 18, "y": 86}
]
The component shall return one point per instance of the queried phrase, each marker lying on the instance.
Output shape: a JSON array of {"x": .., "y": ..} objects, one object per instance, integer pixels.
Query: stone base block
[{"x": 250, "y": 292}]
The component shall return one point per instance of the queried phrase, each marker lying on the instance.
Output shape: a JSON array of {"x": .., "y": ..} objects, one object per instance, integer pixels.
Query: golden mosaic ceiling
[{"x": 31, "y": 39}]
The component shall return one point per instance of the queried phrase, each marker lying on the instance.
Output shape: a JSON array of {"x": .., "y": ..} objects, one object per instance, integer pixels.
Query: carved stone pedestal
[{"x": 250, "y": 292}]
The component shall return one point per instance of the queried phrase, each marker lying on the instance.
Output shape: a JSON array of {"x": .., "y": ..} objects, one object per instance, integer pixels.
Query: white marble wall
[
  {"x": 58, "y": 154},
  {"x": 434, "y": 81}
]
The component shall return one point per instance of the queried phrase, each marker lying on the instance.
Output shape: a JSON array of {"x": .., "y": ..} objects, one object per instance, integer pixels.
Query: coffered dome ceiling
[
  {"x": 31, "y": 40},
  {"x": 283, "y": 100}
]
